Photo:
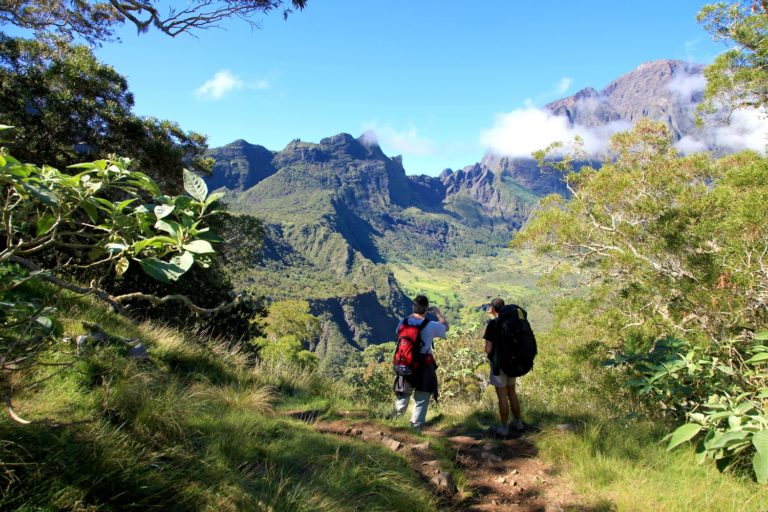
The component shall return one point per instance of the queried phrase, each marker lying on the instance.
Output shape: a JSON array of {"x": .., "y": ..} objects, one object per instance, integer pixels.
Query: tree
[
  {"x": 115, "y": 219},
  {"x": 290, "y": 329},
  {"x": 674, "y": 256},
  {"x": 739, "y": 76},
  {"x": 70, "y": 107},
  {"x": 97, "y": 21}
]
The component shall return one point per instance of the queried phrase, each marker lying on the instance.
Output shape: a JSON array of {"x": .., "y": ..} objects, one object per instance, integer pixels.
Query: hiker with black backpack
[
  {"x": 413, "y": 362},
  {"x": 511, "y": 347}
]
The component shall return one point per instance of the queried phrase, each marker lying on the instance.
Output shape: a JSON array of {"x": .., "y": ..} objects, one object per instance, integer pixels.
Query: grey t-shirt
[{"x": 431, "y": 331}]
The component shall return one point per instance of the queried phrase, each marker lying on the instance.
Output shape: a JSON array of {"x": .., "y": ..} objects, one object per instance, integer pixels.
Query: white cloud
[
  {"x": 690, "y": 144},
  {"x": 564, "y": 84},
  {"x": 687, "y": 85},
  {"x": 405, "y": 141},
  {"x": 746, "y": 129},
  {"x": 224, "y": 82},
  {"x": 523, "y": 131}
]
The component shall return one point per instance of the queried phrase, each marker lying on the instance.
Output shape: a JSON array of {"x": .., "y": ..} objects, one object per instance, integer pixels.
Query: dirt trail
[{"x": 499, "y": 474}]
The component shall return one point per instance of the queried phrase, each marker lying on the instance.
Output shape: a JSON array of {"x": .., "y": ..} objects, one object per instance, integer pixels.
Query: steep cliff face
[{"x": 240, "y": 165}]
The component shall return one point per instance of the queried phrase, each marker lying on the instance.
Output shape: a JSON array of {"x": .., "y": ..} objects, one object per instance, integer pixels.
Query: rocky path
[{"x": 498, "y": 474}]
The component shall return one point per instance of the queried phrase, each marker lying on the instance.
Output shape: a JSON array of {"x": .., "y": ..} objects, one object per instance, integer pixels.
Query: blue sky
[{"x": 427, "y": 77}]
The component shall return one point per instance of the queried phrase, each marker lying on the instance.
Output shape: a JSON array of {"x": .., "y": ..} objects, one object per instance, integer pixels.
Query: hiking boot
[
  {"x": 416, "y": 427},
  {"x": 502, "y": 431},
  {"x": 518, "y": 425}
]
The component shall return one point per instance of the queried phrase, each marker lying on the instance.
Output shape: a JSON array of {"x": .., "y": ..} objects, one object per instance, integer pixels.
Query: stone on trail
[
  {"x": 421, "y": 447},
  {"x": 490, "y": 457},
  {"x": 391, "y": 443},
  {"x": 444, "y": 482},
  {"x": 567, "y": 427},
  {"x": 553, "y": 507}
]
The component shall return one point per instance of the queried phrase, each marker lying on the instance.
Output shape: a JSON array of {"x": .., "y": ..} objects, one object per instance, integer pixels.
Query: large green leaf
[
  {"x": 163, "y": 210},
  {"x": 683, "y": 433},
  {"x": 91, "y": 209},
  {"x": 163, "y": 271},
  {"x": 169, "y": 226},
  {"x": 155, "y": 241},
  {"x": 125, "y": 203},
  {"x": 199, "y": 247},
  {"x": 45, "y": 223},
  {"x": 213, "y": 198},
  {"x": 758, "y": 358},
  {"x": 195, "y": 186},
  {"x": 762, "y": 336},
  {"x": 760, "y": 441},
  {"x": 760, "y": 465},
  {"x": 730, "y": 439},
  {"x": 44, "y": 195},
  {"x": 184, "y": 260}
]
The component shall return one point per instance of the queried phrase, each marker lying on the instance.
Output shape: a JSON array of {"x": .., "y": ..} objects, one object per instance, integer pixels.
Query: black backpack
[{"x": 515, "y": 348}]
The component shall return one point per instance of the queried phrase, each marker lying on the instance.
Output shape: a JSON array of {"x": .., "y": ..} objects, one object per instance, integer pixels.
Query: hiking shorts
[{"x": 501, "y": 380}]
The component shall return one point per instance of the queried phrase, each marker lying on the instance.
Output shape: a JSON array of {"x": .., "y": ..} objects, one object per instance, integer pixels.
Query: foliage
[
  {"x": 70, "y": 107},
  {"x": 97, "y": 21},
  {"x": 290, "y": 330},
  {"x": 462, "y": 365},
  {"x": 372, "y": 377},
  {"x": 674, "y": 249},
  {"x": 113, "y": 217},
  {"x": 739, "y": 76}
]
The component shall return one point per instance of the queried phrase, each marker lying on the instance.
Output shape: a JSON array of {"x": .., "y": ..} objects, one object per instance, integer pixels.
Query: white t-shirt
[{"x": 431, "y": 331}]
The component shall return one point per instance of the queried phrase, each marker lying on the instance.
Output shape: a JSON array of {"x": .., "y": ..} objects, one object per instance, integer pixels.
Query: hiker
[
  {"x": 422, "y": 378},
  {"x": 504, "y": 384}
]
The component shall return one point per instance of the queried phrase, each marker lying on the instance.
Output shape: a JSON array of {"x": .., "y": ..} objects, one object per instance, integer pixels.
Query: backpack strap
[{"x": 423, "y": 324}]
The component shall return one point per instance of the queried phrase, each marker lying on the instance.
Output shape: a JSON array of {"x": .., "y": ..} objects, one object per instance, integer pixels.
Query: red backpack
[{"x": 408, "y": 356}]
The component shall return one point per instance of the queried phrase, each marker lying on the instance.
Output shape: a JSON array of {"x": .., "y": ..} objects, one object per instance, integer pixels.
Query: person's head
[
  {"x": 496, "y": 305},
  {"x": 420, "y": 304}
]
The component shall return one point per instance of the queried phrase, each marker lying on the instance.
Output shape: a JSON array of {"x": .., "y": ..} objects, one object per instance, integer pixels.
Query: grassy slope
[{"x": 193, "y": 429}]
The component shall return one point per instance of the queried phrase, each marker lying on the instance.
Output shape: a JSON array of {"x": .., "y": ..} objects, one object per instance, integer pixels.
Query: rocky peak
[
  {"x": 662, "y": 90},
  {"x": 240, "y": 165}
]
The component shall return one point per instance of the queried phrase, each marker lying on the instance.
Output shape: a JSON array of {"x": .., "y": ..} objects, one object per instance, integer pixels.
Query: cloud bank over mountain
[{"x": 665, "y": 91}]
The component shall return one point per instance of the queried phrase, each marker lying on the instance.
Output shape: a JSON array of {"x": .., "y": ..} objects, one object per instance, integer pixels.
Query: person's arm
[
  {"x": 487, "y": 337},
  {"x": 440, "y": 317}
]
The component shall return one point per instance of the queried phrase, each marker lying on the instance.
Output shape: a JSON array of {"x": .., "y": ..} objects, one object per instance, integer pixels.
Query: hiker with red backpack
[
  {"x": 413, "y": 362},
  {"x": 511, "y": 347}
]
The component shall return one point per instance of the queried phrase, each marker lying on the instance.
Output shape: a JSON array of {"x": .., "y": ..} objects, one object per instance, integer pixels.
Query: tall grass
[
  {"x": 626, "y": 463},
  {"x": 197, "y": 427}
]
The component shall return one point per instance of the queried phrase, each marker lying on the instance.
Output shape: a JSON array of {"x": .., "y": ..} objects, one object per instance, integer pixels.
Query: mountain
[
  {"x": 337, "y": 213},
  {"x": 662, "y": 90}
]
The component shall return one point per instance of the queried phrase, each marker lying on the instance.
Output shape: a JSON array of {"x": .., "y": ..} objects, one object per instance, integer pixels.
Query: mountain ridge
[{"x": 341, "y": 210}]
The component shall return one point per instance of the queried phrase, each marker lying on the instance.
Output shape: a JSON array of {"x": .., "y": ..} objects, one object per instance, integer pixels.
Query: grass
[
  {"x": 199, "y": 427},
  {"x": 473, "y": 280},
  {"x": 624, "y": 462},
  {"x": 195, "y": 428}
]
